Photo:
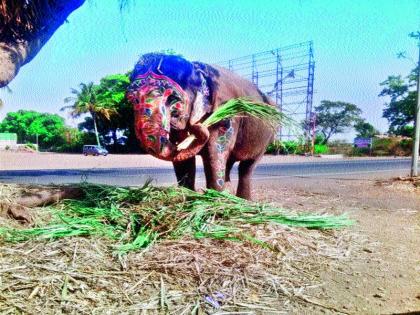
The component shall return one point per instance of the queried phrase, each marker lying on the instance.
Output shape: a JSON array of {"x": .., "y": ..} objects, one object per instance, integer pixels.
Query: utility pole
[
  {"x": 313, "y": 121},
  {"x": 416, "y": 139}
]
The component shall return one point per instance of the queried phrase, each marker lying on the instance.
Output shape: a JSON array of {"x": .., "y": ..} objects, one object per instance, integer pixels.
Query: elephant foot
[
  {"x": 244, "y": 185},
  {"x": 244, "y": 195},
  {"x": 228, "y": 187}
]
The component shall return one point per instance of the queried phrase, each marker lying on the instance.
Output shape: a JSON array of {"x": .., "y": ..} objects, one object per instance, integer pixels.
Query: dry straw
[{"x": 81, "y": 275}]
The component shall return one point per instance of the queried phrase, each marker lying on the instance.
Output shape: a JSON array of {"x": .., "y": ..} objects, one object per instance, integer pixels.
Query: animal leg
[
  {"x": 215, "y": 157},
  {"x": 185, "y": 172},
  {"x": 245, "y": 172},
  {"x": 229, "y": 165}
]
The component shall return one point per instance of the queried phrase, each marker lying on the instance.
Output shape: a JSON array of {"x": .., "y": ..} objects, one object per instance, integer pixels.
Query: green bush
[
  {"x": 275, "y": 147},
  {"x": 407, "y": 145},
  {"x": 294, "y": 147},
  {"x": 285, "y": 147},
  {"x": 291, "y": 147},
  {"x": 384, "y": 144},
  {"x": 319, "y": 138},
  {"x": 321, "y": 149},
  {"x": 359, "y": 151},
  {"x": 69, "y": 148},
  {"x": 391, "y": 146},
  {"x": 77, "y": 140}
]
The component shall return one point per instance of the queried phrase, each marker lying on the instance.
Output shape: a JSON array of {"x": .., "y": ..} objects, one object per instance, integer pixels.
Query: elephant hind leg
[
  {"x": 185, "y": 173},
  {"x": 245, "y": 172}
]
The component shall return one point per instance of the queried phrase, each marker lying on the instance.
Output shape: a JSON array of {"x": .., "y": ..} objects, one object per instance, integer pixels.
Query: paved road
[{"x": 381, "y": 168}]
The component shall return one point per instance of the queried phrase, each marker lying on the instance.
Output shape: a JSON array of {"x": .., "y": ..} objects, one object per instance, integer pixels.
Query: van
[{"x": 94, "y": 150}]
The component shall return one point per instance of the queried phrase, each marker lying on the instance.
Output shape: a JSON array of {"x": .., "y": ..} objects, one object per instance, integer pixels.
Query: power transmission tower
[{"x": 287, "y": 75}]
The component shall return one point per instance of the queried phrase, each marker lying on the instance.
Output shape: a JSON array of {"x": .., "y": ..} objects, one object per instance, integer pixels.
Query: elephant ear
[
  {"x": 201, "y": 105},
  {"x": 224, "y": 85}
]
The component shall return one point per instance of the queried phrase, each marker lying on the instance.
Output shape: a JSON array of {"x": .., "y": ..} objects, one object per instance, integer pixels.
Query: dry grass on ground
[{"x": 85, "y": 275}]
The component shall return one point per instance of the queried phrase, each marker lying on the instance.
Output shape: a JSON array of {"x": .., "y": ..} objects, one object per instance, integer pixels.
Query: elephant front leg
[
  {"x": 214, "y": 169},
  {"x": 185, "y": 172},
  {"x": 228, "y": 184},
  {"x": 216, "y": 157}
]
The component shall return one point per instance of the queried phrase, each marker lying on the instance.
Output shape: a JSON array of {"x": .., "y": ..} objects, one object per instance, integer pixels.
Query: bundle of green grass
[
  {"x": 235, "y": 107},
  {"x": 137, "y": 217}
]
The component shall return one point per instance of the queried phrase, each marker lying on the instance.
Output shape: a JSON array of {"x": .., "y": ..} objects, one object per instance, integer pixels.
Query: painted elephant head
[{"x": 170, "y": 95}]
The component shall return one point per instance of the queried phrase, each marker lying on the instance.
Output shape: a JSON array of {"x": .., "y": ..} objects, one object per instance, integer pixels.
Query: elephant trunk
[
  {"x": 153, "y": 129},
  {"x": 154, "y": 138},
  {"x": 202, "y": 135},
  {"x": 166, "y": 150}
]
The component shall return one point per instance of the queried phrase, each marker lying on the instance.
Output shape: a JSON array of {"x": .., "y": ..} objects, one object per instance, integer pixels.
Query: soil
[{"x": 382, "y": 275}]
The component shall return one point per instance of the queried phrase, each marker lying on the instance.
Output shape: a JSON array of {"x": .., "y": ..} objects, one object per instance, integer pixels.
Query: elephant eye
[{"x": 171, "y": 100}]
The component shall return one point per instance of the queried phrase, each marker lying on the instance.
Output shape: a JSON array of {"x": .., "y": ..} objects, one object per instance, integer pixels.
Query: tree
[
  {"x": 86, "y": 100},
  {"x": 49, "y": 128},
  {"x": 365, "y": 129},
  {"x": 114, "y": 114},
  {"x": 335, "y": 117},
  {"x": 401, "y": 108},
  {"x": 111, "y": 91},
  {"x": 18, "y": 122},
  {"x": 25, "y": 27}
]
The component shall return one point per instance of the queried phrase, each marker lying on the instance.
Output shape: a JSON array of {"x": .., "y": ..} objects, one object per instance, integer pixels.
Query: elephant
[{"x": 172, "y": 96}]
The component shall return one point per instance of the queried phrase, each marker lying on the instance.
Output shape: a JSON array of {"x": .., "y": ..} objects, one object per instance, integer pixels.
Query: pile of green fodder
[{"x": 137, "y": 217}]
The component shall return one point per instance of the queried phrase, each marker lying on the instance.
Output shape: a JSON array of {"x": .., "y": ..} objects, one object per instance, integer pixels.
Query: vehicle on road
[{"x": 94, "y": 150}]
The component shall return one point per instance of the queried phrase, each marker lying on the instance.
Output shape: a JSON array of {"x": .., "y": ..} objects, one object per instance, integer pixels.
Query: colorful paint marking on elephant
[
  {"x": 150, "y": 94},
  {"x": 225, "y": 132}
]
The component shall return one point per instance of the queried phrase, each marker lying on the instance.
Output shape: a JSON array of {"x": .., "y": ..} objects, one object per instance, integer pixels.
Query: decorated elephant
[{"x": 172, "y": 96}]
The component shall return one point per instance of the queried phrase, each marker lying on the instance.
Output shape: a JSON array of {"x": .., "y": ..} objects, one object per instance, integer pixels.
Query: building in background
[{"x": 8, "y": 140}]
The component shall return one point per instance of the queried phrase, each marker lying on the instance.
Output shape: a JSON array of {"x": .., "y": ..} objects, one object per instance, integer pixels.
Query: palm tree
[{"x": 85, "y": 101}]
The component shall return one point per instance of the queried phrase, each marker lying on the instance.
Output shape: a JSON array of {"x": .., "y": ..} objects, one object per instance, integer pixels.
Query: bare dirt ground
[
  {"x": 372, "y": 267},
  {"x": 382, "y": 275}
]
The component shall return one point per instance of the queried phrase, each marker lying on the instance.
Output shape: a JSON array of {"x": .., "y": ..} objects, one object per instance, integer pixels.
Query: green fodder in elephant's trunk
[
  {"x": 237, "y": 107},
  {"x": 136, "y": 217}
]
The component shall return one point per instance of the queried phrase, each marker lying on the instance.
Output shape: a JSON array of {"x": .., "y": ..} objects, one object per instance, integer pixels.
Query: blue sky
[{"x": 355, "y": 44}]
